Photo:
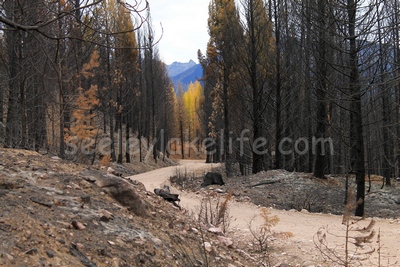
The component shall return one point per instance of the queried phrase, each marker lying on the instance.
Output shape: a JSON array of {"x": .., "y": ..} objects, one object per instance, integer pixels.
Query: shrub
[
  {"x": 214, "y": 211},
  {"x": 355, "y": 237}
]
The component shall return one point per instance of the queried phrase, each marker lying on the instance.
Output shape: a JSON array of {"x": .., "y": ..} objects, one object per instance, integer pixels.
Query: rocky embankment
[{"x": 56, "y": 213}]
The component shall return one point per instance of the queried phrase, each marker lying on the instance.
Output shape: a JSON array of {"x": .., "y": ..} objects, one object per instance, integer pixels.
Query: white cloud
[{"x": 185, "y": 28}]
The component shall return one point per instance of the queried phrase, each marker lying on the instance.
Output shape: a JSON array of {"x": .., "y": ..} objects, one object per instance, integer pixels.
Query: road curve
[
  {"x": 157, "y": 178},
  {"x": 303, "y": 226}
]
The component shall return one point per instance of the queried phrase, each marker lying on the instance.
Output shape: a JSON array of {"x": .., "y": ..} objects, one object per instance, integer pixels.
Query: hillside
[{"x": 56, "y": 213}]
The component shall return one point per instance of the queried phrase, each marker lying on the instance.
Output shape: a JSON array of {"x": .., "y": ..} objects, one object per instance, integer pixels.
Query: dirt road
[{"x": 303, "y": 225}]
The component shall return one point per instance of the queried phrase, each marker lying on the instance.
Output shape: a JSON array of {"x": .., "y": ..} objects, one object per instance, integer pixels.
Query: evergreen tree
[
  {"x": 225, "y": 35},
  {"x": 257, "y": 70}
]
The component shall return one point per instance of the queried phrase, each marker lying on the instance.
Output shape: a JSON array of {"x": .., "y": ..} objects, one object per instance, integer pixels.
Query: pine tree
[
  {"x": 126, "y": 56},
  {"x": 257, "y": 70},
  {"x": 225, "y": 34}
]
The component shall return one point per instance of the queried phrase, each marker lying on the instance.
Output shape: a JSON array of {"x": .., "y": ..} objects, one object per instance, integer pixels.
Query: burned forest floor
[
  {"x": 58, "y": 213},
  {"x": 280, "y": 189}
]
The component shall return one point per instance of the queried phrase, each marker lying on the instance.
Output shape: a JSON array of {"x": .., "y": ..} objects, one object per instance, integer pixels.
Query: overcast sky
[{"x": 185, "y": 28}]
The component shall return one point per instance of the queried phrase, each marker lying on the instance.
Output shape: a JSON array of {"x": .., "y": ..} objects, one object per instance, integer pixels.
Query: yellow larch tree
[
  {"x": 193, "y": 100},
  {"x": 84, "y": 128}
]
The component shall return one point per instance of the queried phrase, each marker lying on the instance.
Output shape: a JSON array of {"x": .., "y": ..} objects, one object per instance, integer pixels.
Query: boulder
[
  {"x": 212, "y": 178},
  {"x": 120, "y": 189}
]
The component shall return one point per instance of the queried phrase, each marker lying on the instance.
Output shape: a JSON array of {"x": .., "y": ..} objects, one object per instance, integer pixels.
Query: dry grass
[
  {"x": 262, "y": 235},
  {"x": 356, "y": 238},
  {"x": 214, "y": 211}
]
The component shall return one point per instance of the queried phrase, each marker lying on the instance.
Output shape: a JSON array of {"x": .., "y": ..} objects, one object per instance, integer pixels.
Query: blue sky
[{"x": 185, "y": 28}]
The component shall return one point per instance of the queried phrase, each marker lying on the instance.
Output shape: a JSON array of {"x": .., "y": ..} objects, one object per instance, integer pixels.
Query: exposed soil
[
  {"x": 305, "y": 205},
  {"x": 57, "y": 213}
]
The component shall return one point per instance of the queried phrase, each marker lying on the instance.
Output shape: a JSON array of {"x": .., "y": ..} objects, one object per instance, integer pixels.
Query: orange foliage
[
  {"x": 84, "y": 127},
  {"x": 85, "y": 117},
  {"x": 106, "y": 160}
]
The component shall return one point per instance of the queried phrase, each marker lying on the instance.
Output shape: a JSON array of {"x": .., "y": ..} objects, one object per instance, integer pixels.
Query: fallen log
[
  {"x": 266, "y": 182},
  {"x": 166, "y": 194}
]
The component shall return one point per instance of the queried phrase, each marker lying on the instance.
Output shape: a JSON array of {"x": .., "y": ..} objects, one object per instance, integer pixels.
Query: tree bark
[
  {"x": 226, "y": 149},
  {"x": 321, "y": 68},
  {"x": 278, "y": 107},
  {"x": 386, "y": 166},
  {"x": 356, "y": 124}
]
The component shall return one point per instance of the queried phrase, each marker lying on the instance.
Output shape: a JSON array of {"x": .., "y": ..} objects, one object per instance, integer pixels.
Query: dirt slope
[
  {"x": 298, "y": 250},
  {"x": 56, "y": 213}
]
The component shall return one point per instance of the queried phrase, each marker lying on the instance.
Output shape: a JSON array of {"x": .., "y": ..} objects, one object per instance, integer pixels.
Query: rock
[
  {"x": 42, "y": 201},
  {"x": 212, "y": 178},
  {"x": 31, "y": 251},
  {"x": 78, "y": 225},
  {"x": 156, "y": 241},
  {"x": 84, "y": 184},
  {"x": 304, "y": 211},
  {"x": 11, "y": 183},
  {"x": 236, "y": 194},
  {"x": 120, "y": 189},
  {"x": 215, "y": 230},
  {"x": 55, "y": 158},
  {"x": 139, "y": 185},
  {"x": 104, "y": 219},
  {"x": 207, "y": 247},
  {"x": 9, "y": 257},
  {"x": 73, "y": 250},
  {"x": 74, "y": 186},
  {"x": 85, "y": 200},
  {"x": 226, "y": 241},
  {"x": 58, "y": 202},
  {"x": 50, "y": 253},
  {"x": 114, "y": 172},
  {"x": 194, "y": 230}
]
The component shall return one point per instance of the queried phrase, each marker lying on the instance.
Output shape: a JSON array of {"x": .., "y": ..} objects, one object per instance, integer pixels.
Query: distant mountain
[
  {"x": 184, "y": 73},
  {"x": 178, "y": 67},
  {"x": 189, "y": 76}
]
